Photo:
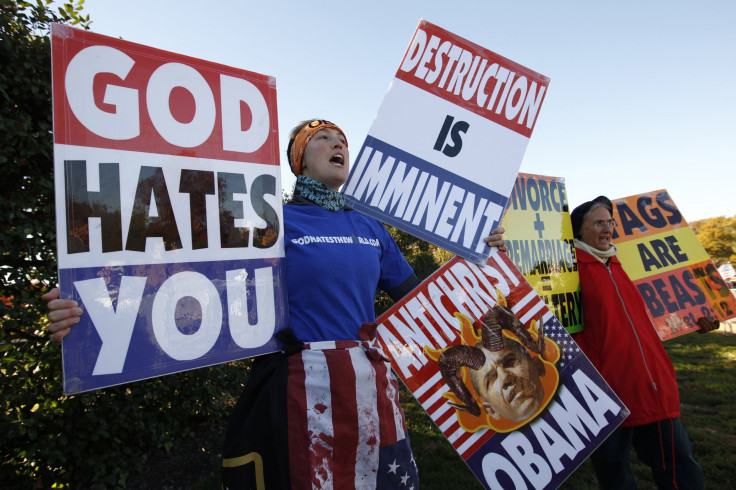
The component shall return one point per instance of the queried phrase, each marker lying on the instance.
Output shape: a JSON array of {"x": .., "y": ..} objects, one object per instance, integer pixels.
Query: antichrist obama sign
[{"x": 498, "y": 374}]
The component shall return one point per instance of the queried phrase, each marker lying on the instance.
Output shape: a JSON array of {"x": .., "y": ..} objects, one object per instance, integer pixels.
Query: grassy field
[{"x": 706, "y": 374}]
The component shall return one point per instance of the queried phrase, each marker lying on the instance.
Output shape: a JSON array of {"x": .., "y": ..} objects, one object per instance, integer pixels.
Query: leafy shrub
[
  {"x": 98, "y": 439},
  {"x": 95, "y": 439}
]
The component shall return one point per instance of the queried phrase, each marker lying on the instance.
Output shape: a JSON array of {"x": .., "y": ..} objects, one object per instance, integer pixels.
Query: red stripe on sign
[
  {"x": 461, "y": 437},
  {"x": 111, "y": 93},
  {"x": 434, "y": 399},
  {"x": 444, "y": 415},
  {"x": 474, "y": 78},
  {"x": 468, "y": 451}
]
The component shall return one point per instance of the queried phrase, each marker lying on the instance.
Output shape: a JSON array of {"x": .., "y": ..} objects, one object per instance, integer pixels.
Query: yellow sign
[
  {"x": 671, "y": 269},
  {"x": 540, "y": 244}
]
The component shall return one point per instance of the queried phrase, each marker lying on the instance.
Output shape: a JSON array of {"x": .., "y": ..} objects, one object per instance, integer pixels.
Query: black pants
[
  {"x": 663, "y": 446},
  {"x": 256, "y": 452}
]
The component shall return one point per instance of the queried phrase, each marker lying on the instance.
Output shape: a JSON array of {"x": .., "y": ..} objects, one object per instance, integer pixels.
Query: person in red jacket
[{"x": 621, "y": 342}]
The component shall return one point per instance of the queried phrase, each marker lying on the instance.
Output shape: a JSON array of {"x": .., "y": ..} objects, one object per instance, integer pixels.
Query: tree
[
  {"x": 424, "y": 258},
  {"x": 26, "y": 197},
  {"x": 718, "y": 237},
  {"x": 27, "y": 236},
  {"x": 102, "y": 438},
  {"x": 95, "y": 439}
]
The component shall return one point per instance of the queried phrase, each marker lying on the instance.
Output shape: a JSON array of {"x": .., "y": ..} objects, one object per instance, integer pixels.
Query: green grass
[{"x": 706, "y": 374}]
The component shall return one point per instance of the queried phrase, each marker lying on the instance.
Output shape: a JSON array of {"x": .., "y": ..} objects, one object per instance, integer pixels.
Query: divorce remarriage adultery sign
[
  {"x": 541, "y": 246},
  {"x": 441, "y": 157},
  {"x": 168, "y": 210},
  {"x": 671, "y": 269},
  {"x": 498, "y": 374}
]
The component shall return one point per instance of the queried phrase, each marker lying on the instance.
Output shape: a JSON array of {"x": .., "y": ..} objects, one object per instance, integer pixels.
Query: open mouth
[
  {"x": 337, "y": 159},
  {"x": 516, "y": 390}
]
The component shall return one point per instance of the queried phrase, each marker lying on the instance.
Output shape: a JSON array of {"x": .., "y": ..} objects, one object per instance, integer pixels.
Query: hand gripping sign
[
  {"x": 541, "y": 246},
  {"x": 442, "y": 154},
  {"x": 168, "y": 199},
  {"x": 498, "y": 374},
  {"x": 671, "y": 269}
]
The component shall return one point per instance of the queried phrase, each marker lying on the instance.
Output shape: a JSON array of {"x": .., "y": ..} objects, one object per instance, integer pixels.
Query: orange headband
[{"x": 302, "y": 139}]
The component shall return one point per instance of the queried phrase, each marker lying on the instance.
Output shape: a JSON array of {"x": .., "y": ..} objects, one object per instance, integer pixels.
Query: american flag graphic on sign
[
  {"x": 446, "y": 311},
  {"x": 726, "y": 271}
]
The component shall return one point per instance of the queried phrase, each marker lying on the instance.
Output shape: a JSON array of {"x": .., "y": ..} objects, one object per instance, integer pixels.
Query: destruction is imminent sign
[{"x": 442, "y": 154}]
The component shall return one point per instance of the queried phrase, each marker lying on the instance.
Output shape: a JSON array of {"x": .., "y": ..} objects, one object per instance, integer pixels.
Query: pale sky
[{"x": 642, "y": 94}]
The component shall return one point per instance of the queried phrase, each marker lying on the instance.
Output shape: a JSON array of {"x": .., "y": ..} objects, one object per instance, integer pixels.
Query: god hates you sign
[
  {"x": 442, "y": 154},
  {"x": 498, "y": 374},
  {"x": 671, "y": 269},
  {"x": 168, "y": 200}
]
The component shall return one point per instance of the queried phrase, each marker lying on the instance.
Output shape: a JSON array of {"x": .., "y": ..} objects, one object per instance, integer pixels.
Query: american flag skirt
[
  {"x": 346, "y": 427},
  {"x": 326, "y": 416}
]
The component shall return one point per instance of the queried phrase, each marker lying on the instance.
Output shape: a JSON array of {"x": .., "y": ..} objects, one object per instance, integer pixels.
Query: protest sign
[
  {"x": 522, "y": 412},
  {"x": 540, "y": 243},
  {"x": 671, "y": 269},
  {"x": 168, "y": 209},
  {"x": 441, "y": 157},
  {"x": 727, "y": 272}
]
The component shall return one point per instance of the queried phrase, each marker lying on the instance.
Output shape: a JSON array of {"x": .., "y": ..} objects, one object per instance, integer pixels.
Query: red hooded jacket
[{"x": 621, "y": 342}]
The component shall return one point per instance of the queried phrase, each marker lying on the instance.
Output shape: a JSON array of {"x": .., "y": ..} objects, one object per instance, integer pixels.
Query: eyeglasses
[{"x": 602, "y": 224}]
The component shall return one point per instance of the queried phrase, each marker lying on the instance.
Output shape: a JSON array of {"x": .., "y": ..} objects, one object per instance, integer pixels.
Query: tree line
[{"x": 718, "y": 237}]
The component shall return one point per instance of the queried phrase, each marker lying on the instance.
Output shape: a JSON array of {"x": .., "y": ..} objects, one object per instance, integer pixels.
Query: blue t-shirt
[{"x": 335, "y": 262}]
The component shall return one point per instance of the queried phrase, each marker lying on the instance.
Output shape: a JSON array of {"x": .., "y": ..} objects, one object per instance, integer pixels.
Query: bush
[
  {"x": 101, "y": 438},
  {"x": 95, "y": 439},
  {"x": 98, "y": 439}
]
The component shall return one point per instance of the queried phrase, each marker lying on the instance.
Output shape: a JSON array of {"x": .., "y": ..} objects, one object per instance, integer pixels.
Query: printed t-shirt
[{"x": 335, "y": 261}]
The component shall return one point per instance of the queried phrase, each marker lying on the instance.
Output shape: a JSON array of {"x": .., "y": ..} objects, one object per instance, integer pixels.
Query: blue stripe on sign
[
  {"x": 240, "y": 303},
  {"x": 423, "y": 199}
]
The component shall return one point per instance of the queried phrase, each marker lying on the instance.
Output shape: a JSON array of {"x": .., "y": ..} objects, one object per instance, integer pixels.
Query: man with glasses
[{"x": 621, "y": 342}]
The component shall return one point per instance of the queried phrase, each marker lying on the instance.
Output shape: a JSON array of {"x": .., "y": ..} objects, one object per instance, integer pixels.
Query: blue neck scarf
[{"x": 319, "y": 193}]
